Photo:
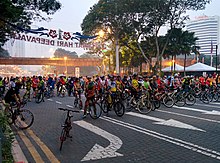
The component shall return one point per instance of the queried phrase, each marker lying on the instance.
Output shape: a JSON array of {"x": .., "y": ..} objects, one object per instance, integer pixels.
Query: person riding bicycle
[
  {"x": 89, "y": 94},
  {"x": 186, "y": 84},
  {"x": 135, "y": 87},
  {"x": 28, "y": 88},
  {"x": 41, "y": 85},
  {"x": 77, "y": 87},
  {"x": 12, "y": 94}
]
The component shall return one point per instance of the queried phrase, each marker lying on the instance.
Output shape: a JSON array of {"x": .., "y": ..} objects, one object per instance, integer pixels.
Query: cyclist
[
  {"x": 89, "y": 94},
  {"x": 28, "y": 88},
  {"x": 77, "y": 87},
  {"x": 186, "y": 83},
  {"x": 134, "y": 87},
  {"x": 146, "y": 83},
  {"x": 34, "y": 85},
  {"x": 12, "y": 94},
  {"x": 41, "y": 85}
]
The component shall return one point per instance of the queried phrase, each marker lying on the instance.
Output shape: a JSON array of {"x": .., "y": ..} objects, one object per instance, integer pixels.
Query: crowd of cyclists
[{"x": 122, "y": 88}]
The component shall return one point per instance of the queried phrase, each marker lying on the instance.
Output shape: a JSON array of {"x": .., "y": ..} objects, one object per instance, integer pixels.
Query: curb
[{"x": 17, "y": 153}]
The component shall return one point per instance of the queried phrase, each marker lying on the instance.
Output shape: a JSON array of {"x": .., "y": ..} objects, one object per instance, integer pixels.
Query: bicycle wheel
[
  {"x": 95, "y": 111},
  {"x": 190, "y": 99},
  {"x": 168, "y": 101},
  {"x": 216, "y": 97},
  {"x": 62, "y": 138},
  {"x": 156, "y": 104},
  {"x": 80, "y": 104},
  {"x": 119, "y": 109},
  {"x": 205, "y": 98},
  {"x": 148, "y": 106},
  {"x": 104, "y": 106},
  {"x": 75, "y": 102},
  {"x": 180, "y": 100},
  {"x": 24, "y": 119},
  {"x": 39, "y": 98}
]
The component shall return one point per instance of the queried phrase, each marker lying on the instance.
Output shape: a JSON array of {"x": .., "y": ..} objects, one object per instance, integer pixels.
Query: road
[{"x": 186, "y": 134}]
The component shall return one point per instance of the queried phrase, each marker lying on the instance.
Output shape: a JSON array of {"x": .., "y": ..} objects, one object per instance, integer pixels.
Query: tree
[
  {"x": 16, "y": 14},
  {"x": 139, "y": 19},
  {"x": 180, "y": 43},
  {"x": 61, "y": 53}
]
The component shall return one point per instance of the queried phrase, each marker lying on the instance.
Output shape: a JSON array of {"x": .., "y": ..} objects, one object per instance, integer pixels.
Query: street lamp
[
  {"x": 65, "y": 58},
  {"x": 101, "y": 34}
]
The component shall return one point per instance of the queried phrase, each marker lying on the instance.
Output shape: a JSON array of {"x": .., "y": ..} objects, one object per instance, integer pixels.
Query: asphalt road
[{"x": 187, "y": 134}]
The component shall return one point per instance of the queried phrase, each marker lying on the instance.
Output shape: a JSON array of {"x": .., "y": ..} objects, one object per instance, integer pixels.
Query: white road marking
[
  {"x": 170, "y": 122},
  {"x": 50, "y": 99},
  {"x": 189, "y": 116},
  {"x": 212, "y": 106},
  {"x": 178, "y": 142},
  {"x": 213, "y": 112},
  {"x": 99, "y": 152},
  {"x": 69, "y": 106},
  {"x": 58, "y": 102}
]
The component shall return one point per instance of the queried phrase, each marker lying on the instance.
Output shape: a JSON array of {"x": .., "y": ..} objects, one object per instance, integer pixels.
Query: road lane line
[
  {"x": 176, "y": 141},
  {"x": 213, "y": 112},
  {"x": 44, "y": 148},
  {"x": 189, "y": 116},
  {"x": 58, "y": 102},
  {"x": 69, "y": 106},
  {"x": 50, "y": 99},
  {"x": 36, "y": 156}
]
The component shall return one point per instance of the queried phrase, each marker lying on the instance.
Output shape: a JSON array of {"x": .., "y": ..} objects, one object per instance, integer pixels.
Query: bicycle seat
[{"x": 76, "y": 111}]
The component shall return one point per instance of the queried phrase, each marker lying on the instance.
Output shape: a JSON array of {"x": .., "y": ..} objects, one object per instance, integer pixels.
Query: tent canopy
[
  {"x": 178, "y": 68},
  {"x": 200, "y": 67}
]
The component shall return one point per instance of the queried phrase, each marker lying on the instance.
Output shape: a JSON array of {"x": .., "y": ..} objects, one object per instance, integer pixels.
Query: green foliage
[
  {"x": 61, "y": 53},
  {"x": 135, "y": 20},
  {"x": 180, "y": 42},
  {"x": 21, "y": 13},
  {"x": 7, "y": 139}
]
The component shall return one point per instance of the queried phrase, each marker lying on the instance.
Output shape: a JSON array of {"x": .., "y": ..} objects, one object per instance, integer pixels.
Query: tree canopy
[
  {"x": 21, "y": 13},
  {"x": 139, "y": 21}
]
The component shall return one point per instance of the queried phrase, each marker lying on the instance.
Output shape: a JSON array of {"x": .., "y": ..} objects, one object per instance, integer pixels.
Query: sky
[{"x": 70, "y": 17}]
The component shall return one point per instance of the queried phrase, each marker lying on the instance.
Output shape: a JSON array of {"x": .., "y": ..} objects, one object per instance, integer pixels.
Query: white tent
[
  {"x": 200, "y": 67},
  {"x": 178, "y": 68}
]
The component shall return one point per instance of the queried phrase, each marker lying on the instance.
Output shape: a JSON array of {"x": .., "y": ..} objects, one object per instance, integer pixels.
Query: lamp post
[
  {"x": 216, "y": 60},
  {"x": 65, "y": 58}
]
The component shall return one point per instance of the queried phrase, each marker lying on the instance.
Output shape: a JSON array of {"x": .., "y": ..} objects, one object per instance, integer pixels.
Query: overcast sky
[{"x": 72, "y": 13}]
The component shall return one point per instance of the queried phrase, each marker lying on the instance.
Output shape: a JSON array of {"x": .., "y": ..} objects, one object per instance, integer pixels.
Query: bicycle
[
  {"x": 67, "y": 126},
  {"x": 39, "y": 97},
  {"x": 94, "y": 109},
  {"x": 108, "y": 103},
  {"x": 21, "y": 118},
  {"x": 61, "y": 91},
  {"x": 143, "y": 104},
  {"x": 77, "y": 101}
]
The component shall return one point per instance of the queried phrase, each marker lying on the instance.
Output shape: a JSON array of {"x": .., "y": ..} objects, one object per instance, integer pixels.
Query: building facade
[{"x": 206, "y": 29}]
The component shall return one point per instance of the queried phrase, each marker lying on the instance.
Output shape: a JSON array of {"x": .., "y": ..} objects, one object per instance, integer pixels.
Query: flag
[{"x": 211, "y": 47}]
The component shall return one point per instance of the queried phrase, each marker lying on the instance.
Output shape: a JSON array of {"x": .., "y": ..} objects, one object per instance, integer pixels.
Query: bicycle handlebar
[{"x": 76, "y": 111}]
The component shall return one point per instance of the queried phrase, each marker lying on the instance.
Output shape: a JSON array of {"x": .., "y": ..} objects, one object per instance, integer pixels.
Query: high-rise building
[
  {"x": 15, "y": 48},
  {"x": 206, "y": 29}
]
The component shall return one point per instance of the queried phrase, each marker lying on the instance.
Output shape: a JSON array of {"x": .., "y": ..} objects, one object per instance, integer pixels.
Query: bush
[{"x": 7, "y": 139}]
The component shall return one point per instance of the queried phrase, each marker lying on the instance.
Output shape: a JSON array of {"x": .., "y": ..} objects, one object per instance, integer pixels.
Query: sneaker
[{"x": 84, "y": 116}]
